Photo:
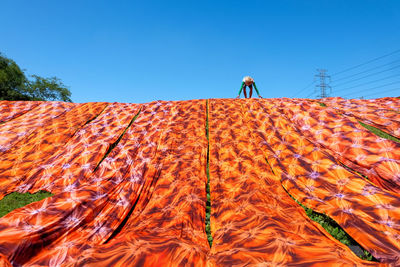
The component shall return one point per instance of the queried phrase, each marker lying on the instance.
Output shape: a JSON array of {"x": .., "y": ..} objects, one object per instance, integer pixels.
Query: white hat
[{"x": 248, "y": 80}]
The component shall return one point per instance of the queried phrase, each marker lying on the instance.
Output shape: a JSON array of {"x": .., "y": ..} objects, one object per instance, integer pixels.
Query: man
[{"x": 248, "y": 82}]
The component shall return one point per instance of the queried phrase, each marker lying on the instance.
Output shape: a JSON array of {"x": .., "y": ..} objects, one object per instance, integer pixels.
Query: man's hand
[
  {"x": 238, "y": 96},
  {"x": 260, "y": 96}
]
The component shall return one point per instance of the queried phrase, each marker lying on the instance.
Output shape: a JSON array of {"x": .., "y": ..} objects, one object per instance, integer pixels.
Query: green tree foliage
[
  {"x": 12, "y": 80},
  {"x": 48, "y": 89},
  {"x": 14, "y": 85}
]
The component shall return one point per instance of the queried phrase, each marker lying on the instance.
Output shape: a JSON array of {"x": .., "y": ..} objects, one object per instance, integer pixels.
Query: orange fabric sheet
[
  {"x": 14, "y": 131},
  {"x": 144, "y": 205},
  {"x": 138, "y": 176},
  {"x": 42, "y": 144},
  {"x": 350, "y": 143},
  {"x": 75, "y": 162},
  {"x": 13, "y": 109},
  {"x": 369, "y": 112},
  {"x": 254, "y": 221},
  {"x": 386, "y": 103},
  {"x": 311, "y": 175},
  {"x": 167, "y": 227}
]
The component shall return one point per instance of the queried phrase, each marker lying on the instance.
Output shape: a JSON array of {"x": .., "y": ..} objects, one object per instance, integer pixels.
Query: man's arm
[
  {"x": 241, "y": 88},
  {"x": 255, "y": 87}
]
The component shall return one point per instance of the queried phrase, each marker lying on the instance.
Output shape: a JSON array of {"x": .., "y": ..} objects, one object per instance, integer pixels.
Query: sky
[{"x": 141, "y": 51}]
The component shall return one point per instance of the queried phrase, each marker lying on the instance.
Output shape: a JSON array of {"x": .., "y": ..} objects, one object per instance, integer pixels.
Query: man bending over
[{"x": 248, "y": 82}]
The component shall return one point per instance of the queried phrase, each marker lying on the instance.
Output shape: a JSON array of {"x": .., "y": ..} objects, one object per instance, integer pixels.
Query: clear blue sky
[{"x": 140, "y": 51}]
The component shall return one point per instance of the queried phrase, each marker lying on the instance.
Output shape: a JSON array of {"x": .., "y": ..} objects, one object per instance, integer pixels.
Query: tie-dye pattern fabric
[
  {"x": 132, "y": 192},
  {"x": 373, "y": 113},
  {"x": 13, "y": 109},
  {"x": 42, "y": 144},
  {"x": 350, "y": 143},
  {"x": 16, "y": 130},
  {"x": 74, "y": 163},
  {"x": 254, "y": 222},
  {"x": 312, "y": 176},
  {"x": 166, "y": 228}
]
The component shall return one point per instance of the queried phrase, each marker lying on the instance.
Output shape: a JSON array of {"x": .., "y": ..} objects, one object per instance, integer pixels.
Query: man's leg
[
  {"x": 251, "y": 90},
  {"x": 245, "y": 91}
]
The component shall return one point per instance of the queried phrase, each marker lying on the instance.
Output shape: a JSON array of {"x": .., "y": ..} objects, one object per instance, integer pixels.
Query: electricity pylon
[{"x": 323, "y": 84}]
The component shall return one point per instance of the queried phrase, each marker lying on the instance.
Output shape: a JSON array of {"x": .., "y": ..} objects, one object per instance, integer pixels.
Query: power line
[
  {"x": 304, "y": 88},
  {"x": 362, "y": 72},
  {"x": 310, "y": 94},
  {"x": 355, "y": 86},
  {"x": 390, "y": 90},
  {"x": 324, "y": 86},
  {"x": 380, "y": 86},
  {"x": 369, "y": 75},
  {"x": 369, "y": 61}
]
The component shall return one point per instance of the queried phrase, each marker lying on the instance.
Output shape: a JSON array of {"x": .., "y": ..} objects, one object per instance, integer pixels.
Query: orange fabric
[
  {"x": 80, "y": 216},
  {"x": 11, "y": 109},
  {"x": 4, "y": 262},
  {"x": 16, "y": 130},
  {"x": 72, "y": 165},
  {"x": 42, "y": 143},
  {"x": 312, "y": 176},
  {"x": 386, "y": 103},
  {"x": 368, "y": 111},
  {"x": 145, "y": 203},
  {"x": 167, "y": 227},
  {"x": 349, "y": 142},
  {"x": 139, "y": 174},
  {"x": 254, "y": 221}
]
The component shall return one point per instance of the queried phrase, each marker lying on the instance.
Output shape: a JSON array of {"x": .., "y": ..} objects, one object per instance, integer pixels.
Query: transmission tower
[{"x": 323, "y": 85}]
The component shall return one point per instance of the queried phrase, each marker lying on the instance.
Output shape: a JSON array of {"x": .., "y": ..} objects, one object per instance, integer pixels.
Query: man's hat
[{"x": 248, "y": 80}]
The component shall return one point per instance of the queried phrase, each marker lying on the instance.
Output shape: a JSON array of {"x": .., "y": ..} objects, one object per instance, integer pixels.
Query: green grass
[
  {"x": 379, "y": 132},
  {"x": 332, "y": 227},
  {"x": 17, "y": 200},
  {"x": 322, "y": 104},
  {"x": 335, "y": 230},
  {"x": 208, "y": 203}
]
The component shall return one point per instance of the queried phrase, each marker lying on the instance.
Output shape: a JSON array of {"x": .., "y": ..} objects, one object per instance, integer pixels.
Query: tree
[
  {"x": 14, "y": 85},
  {"x": 12, "y": 80},
  {"x": 48, "y": 89}
]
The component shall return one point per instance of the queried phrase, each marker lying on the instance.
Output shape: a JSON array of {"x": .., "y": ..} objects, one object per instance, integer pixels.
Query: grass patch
[
  {"x": 335, "y": 230},
  {"x": 17, "y": 200},
  {"x": 322, "y": 104},
  {"x": 379, "y": 132},
  {"x": 208, "y": 203}
]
